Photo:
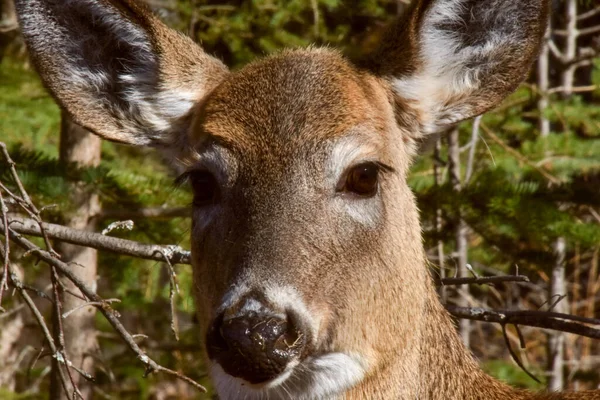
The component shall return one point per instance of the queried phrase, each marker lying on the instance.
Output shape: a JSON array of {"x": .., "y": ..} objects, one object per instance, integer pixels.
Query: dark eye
[
  {"x": 362, "y": 180},
  {"x": 205, "y": 188}
]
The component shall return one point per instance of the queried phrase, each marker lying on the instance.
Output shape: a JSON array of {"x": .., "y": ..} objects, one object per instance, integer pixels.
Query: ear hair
[
  {"x": 450, "y": 60},
  {"x": 116, "y": 68}
]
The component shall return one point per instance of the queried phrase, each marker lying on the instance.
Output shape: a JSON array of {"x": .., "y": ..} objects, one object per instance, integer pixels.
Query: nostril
[{"x": 254, "y": 347}]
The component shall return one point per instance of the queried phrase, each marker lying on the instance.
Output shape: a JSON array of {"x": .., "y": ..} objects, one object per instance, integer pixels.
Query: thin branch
[
  {"x": 106, "y": 310},
  {"x": 175, "y": 254},
  {"x": 514, "y": 355},
  {"x": 60, "y": 355},
  {"x": 173, "y": 288},
  {"x": 555, "y": 51},
  {"x": 577, "y": 89},
  {"x": 145, "y": 213},
  {"x": 5, "y": 251},
  {"x": 518, "y": 155},
  {"x": 485, "y": 280},
  {"x": 25, "y": 201},
  {"x": 589, "y": 31},
  {"x": 588, "y": 14},
  {"x": 41, "y": 322},
  {"x": 540, "y": 319}
]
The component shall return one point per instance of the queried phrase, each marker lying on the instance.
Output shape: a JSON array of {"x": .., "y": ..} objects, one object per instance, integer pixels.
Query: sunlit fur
[{"x": 278, "y": 136}]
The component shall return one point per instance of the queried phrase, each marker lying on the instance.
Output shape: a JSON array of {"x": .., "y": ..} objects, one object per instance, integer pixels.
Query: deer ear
[
  {"x": 116, "y": 68},
  {"x": 451, "y": 60}
]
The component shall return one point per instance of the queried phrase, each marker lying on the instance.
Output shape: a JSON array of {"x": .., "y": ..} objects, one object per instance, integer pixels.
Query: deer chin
[{"x": 327, "y": 376}]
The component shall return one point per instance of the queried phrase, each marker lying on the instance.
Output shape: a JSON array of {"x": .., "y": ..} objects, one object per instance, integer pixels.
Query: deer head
[{"x": 309, "y": 272}]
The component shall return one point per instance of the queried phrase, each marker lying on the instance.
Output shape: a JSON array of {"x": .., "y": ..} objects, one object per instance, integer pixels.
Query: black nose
[{"x": 255, "y": 347}]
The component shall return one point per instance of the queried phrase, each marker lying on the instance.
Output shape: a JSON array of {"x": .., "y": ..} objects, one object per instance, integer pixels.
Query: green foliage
[
  {"x": 239, "y": 31},
  {"x": 28, "y": 115},
  {"x": 513, "y": 209},
  {"x": 507, "y": 371}
]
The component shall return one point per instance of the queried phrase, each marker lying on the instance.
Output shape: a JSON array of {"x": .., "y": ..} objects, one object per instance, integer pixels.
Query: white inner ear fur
[
  {"x": 158, "y": 107},
  {"x": 151, "y": 108},
  {"x": 445, "y": 75}
]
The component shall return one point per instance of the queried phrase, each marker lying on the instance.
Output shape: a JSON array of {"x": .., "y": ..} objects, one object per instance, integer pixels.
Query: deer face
[
  {"x": 309, "y": 274},
  {"x": 295, "y": 168}
]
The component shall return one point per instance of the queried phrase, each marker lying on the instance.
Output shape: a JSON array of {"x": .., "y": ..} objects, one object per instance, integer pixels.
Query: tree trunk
[
  {"x": 543, "y": 73},
  {"x": 570, "y": 51},
  {"x": 437, "y": 173},
  {"x": 558, "y": 282},
  {"x": 78, "y": 146},
  {"x": 460, "y": 234},
  {"x": 556, "y": 339}
]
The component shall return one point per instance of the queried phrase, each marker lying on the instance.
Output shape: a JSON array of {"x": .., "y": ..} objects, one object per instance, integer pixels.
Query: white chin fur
[{"x": 324, "y": 377}]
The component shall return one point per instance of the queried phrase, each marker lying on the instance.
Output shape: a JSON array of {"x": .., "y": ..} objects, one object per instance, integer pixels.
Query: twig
[
  {"x": 485, "y": 280},
  {"x": 588, "y": 14},
  {"x": 25, "y": 201},
  {"x": 5, "y": 251},
  {"x": 518, "y": 155},
  {"x": 26, "y": 226},
  {"x": 576, "y": 89},
  {"x": 541, "y": 319},
  {"x": 157, "y": 212},
  {"x": 514, "y": 355},
  {"x": 65, "y": 315},
  {"x": 555, "y": 51},
  {"x": 41, "y": 322},
  {"x": 60, "y": 355},
  {"x": 173, "y": 287},
  {"x": 106, "y": 310}
]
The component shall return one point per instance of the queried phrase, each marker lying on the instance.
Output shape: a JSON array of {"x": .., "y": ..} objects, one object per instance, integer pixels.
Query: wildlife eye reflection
[{"x": 362, "y": 180}]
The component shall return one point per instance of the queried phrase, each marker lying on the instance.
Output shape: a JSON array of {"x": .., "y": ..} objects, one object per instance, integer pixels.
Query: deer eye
[
  {"x": 362, "y": 180},
  {"x": 205, "y": 188}
]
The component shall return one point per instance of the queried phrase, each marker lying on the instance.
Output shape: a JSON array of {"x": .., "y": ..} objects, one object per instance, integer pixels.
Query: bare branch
[
  {"x": 153, "y": 212},
  {"x": 577, "y": 89},
  {"x": 26, "y": 226},
  {"x": 540, "y": 319},
  {"x": 555, "y": 51},
  {"x": 588, "y": 14},
  {"x": 106, "y": 310},
  {"x": 485, "y": 280},
  {"x": 514, "y": 355},
  {"x": 4, "y": 250},
  {"x": 589, "y": 31}
]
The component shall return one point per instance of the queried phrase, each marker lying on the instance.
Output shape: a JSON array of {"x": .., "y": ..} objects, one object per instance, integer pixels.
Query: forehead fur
[{"x": 294, "y": 97}]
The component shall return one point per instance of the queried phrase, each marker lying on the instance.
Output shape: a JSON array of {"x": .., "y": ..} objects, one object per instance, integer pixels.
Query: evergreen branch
[
  {"x": 552, "y": 179},
  {"x": 25, "y": 226},
  {"x": 539, "y": 319}
]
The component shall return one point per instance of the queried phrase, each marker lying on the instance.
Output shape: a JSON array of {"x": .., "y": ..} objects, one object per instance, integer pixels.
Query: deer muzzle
[{"x": 256, "y": 343}]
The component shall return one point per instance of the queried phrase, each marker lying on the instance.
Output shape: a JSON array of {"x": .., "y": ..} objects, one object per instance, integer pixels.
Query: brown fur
[{"x": 273, "y": 126}]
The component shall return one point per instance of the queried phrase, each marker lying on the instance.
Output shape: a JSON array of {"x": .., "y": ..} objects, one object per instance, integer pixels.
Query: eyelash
[{"x": 182, "y": 179}]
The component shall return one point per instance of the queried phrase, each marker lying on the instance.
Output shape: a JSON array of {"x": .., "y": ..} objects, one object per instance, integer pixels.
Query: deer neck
[{"x": 434, "y": 363}]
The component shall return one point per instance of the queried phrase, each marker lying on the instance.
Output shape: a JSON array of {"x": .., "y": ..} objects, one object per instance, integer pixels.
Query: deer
[{"x": 310, "y": 276}]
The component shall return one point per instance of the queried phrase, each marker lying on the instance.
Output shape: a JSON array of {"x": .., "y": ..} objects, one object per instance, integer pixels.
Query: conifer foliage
[{"x": 529, "y": 179}]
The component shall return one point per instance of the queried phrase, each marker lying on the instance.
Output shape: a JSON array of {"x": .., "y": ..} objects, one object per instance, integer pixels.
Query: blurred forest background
[{"x": 518, "y": 187}]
